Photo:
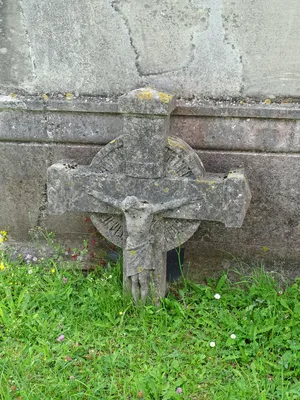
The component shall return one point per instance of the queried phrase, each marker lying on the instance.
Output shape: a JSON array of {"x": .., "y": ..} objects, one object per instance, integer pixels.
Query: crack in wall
[
  {"x": 115, "y": 7},
  {"x": 141, "y": 73},
  {"x": 229, "y": 20},
  {"x": 42, "y": 211},
  {"x": 184, "y": 68},
  {"x": 43, "y": 208},
  {"x": 32, "y": 58}
]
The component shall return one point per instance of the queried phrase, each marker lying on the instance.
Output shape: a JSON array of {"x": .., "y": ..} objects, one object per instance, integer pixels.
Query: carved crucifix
[{"x": 147, "y": 192}]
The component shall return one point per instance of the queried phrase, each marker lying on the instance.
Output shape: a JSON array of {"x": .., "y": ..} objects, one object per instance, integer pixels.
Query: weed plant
[{"x": 68, "y": 336}]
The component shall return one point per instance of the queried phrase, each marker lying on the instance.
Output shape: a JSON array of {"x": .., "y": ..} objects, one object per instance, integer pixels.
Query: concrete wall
[
  {"x": 222, "y": 49},
  {"x": 213, "y": 48}
]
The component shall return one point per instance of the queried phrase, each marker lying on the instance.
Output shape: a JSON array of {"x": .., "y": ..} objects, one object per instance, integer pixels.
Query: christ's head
[{"x": 132, "y": 202}]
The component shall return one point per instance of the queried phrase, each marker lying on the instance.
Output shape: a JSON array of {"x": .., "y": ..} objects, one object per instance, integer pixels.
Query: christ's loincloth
[{"x": 138, "y": 259}]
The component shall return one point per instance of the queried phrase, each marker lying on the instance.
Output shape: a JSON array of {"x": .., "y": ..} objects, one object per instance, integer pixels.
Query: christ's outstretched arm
[
  {"x": 171, "y": 205},
  {"x": 105, "y": 199}
]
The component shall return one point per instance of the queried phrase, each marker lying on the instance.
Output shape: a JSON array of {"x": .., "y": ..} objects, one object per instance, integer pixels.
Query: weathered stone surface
[
  {"x": 63, "y": 128},
  {"x": 259, "y": 127},
  {"x": 16, "y": 62},
  {"x": 215, "y": 69},
  {"x": 214, "y": 48},
  {"x": 23, "y": 189},
  {"x": 151, "y": 181},
  {"x": 271, "y": 224},
  {"x": 285, "y": 109},
  {"x": 79, "y": 46},
  {"x": 244, "y": 134},
  {"x": 162, "y": 33},
  {"x": 270, "y": 62}
]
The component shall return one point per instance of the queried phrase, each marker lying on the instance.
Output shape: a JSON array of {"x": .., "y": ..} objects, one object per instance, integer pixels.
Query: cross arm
[
  {"x": 216, "y": 198},
  {"x": 236, "y": 199},
  {"x": 68, "y": 187}
]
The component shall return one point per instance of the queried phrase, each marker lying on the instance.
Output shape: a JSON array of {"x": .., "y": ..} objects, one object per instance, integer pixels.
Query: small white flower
[
  {"x": 34, "y": 259},
  {"x": 212, "y": 344},
  {"x": 30, "y": 271},
  {"x": 217, "y": 296},
  {"x": 233, "y": 336}
]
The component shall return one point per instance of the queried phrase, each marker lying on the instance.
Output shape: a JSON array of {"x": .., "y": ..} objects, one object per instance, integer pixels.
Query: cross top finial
[{"x": 147, "y": 101}]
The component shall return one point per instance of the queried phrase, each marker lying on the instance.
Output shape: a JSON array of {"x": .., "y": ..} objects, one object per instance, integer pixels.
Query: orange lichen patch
[
  {"x": 164, "y": 97},
  {"x": 145, "y": 94},
  {"x": 132, "y": 252}
]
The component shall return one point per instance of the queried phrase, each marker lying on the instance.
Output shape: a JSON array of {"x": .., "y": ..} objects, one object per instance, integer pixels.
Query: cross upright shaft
[{"x": 146, "y": 126}]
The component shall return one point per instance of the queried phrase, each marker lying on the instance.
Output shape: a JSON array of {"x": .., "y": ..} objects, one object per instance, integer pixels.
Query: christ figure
[{"x": 138, "y": 248}]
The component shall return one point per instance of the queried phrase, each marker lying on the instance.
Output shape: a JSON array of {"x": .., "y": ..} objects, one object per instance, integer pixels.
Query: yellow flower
[
  {"x": 3, "y": 235},
  {"x": 121, "y": 313},
  {"x": 53, "y": 270},
  {"x": 2, "y": 267}
]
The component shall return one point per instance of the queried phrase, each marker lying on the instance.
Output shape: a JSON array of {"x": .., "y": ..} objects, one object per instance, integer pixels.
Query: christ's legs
[
  {"x": 135, "y": 289},
  {"x": 144, "y": 283}
]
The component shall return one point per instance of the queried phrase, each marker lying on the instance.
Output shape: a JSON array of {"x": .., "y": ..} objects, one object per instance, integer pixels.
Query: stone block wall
[{"x": 63, "y": 64}]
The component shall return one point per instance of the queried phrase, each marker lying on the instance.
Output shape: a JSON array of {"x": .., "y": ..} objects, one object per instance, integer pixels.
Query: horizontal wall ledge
[
  {"x": 199, "y": 108},
  {"x": 57, "y": 104},
  {"x": 94, "y": 121},
  {"x": 236, "y": 110}
]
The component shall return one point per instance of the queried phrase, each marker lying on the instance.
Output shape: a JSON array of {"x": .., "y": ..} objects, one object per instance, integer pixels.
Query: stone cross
[{"x": 147, "y": 191}]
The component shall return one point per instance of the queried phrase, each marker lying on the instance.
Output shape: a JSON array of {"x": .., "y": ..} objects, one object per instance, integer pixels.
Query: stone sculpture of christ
[{"x": 138, "y": 247}]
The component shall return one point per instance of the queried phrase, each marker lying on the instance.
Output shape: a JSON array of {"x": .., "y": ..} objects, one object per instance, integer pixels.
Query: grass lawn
[{"x": 67, "y": 336}]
